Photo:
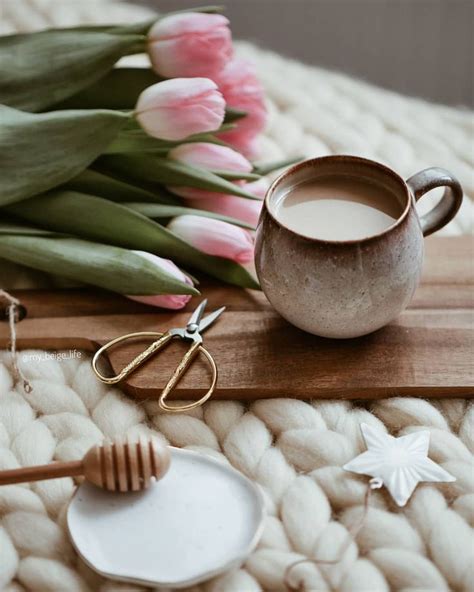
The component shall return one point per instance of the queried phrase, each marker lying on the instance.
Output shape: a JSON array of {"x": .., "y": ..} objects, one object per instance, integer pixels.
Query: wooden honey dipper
[{"x": 115, "y": 466}]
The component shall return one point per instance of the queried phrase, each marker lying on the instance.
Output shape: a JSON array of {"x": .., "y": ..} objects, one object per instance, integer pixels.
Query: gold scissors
[{"x": 192, "y": 332}]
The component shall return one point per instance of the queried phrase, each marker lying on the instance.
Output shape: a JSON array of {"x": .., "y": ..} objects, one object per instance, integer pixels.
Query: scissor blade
[
  {"x": 206, "y": 321},
  {"x": 197, "y": 314}
]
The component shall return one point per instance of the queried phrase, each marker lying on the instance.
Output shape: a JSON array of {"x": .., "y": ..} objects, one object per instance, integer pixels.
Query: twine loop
[{"x": 13, "y": 313}]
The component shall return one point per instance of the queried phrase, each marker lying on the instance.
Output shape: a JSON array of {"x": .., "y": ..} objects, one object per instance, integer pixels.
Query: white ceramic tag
[{"x": 201, "y": 519}]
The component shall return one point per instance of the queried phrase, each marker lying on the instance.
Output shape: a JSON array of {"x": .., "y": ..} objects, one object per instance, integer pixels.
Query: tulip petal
[
  {"x": 190, "y": 44},
  {"x": 171, "y": 301},
  {"x": 211, "y": 156},
  {"x": 243, "y": 209},
  {"x": 186, "y": 22},
  {"x": 242, "y": 90},
  {"x": 214, "y": 237},
  {"x": 178, "y": 108}
]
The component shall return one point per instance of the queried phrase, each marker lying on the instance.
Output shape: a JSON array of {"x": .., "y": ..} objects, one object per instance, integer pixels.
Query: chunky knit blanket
[{"x": 293, "y": 449}]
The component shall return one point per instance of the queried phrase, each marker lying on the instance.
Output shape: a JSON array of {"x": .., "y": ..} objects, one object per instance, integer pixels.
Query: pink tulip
[
  {"x": 212, "y": 157},
  {"x": 190, "y": 44},
  {"x": 242, "y": 90},
  {"x": 214, "y": 237},
  {"x": 173, "y": 301},
  {"x": 258, "y": 188},
  {"x": 175, "y": 109},
  {"x": 245, "y": 143},
  {"x": 247, "y": 210}
]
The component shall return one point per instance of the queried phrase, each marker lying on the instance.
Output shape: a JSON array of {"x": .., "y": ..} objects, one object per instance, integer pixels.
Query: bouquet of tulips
[{"x": 115, "y": 176}]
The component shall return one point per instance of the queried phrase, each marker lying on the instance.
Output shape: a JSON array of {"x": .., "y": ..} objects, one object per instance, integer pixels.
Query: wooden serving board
[{"x": 427, "y": 352}]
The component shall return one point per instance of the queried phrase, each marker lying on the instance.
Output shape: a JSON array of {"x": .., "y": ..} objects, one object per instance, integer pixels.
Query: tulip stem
[
  {"x": 138, "y": 46},
  {"x": 237, "y": 175},
  {"x": 264, "y": 169},
  {"x": 140, "y": 28}
]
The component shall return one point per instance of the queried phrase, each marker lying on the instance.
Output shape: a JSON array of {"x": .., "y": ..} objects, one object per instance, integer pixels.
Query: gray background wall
[{"x": 417, "y": 47}]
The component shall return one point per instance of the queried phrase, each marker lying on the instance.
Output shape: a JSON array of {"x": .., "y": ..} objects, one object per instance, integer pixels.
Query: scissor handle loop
[
  {"x": 162, "y": 340},
  {"x": 159, "y": 343},
  {"x": 181, "y": 368}
]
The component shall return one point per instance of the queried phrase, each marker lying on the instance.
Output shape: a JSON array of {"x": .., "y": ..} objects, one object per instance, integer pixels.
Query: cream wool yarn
[{"x": 293, "y": 449}]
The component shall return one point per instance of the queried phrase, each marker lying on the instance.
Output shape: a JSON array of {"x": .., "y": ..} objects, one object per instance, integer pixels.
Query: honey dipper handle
[{"x": 41, "y": 472}]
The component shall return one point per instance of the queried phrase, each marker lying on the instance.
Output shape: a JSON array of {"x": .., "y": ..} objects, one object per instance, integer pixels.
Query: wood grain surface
[{"x": 427, "y": 352}]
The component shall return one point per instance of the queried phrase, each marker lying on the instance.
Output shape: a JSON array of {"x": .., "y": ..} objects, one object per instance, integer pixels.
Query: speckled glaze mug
[{"x": 349, "y": 288}]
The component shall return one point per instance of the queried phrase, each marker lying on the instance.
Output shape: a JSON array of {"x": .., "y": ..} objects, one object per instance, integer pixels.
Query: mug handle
[{"x": 450, "y": 203}]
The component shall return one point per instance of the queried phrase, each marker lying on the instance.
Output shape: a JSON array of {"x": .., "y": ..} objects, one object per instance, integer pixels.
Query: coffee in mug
[
  {"x": 338, "y": 208},
  {"x": 339, "y": 243}
]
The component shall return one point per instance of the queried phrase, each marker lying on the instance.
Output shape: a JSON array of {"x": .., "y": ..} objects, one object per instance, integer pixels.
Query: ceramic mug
[{"x": 349, "y": 288}]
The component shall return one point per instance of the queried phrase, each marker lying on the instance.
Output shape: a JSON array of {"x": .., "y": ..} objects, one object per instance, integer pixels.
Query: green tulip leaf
[
  {"x": 137, "y": 140},
  {"x": 128, "y": 142},
  {"x": 21, "y": 229},
  {"x": 41, "y": 151},
  {"x": 38, "y": 70},
  {"x": 169, "y": 172},
  {"x": 104, "y": 221},
  {"x": 118, "y": 89},
  {"x": 159, "y": 211},
  {"x": 142, "y": 27},
  {"x": 152, "y": 189},
  {"x": 105, "y": 266},
  {"x": 96, "y": 183}
]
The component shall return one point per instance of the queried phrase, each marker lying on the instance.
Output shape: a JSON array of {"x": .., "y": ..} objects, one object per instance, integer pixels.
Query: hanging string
[
  {"x": 374, "y": 483},
  {"x": 13, "y": 313}
]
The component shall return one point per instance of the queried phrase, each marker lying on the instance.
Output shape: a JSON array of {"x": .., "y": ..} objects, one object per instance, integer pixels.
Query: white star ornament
[{"x": 401, "y": 463}]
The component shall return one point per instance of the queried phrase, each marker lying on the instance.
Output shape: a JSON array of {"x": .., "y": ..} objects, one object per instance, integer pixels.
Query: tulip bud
[
  {"x": 178, "y": 108},
  {"x": 214, "y": 237},
  {"x": 190, "y": 44},
  {"x": 212, "y": 157},
  {"x": 242, "y": 90},
  {"x": 172, "y": 301},
  {"x": 240, "y": 208}
]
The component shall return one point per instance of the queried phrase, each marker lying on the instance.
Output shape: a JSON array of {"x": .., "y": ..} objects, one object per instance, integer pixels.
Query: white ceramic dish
[{"x": 201, "y": 519}]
